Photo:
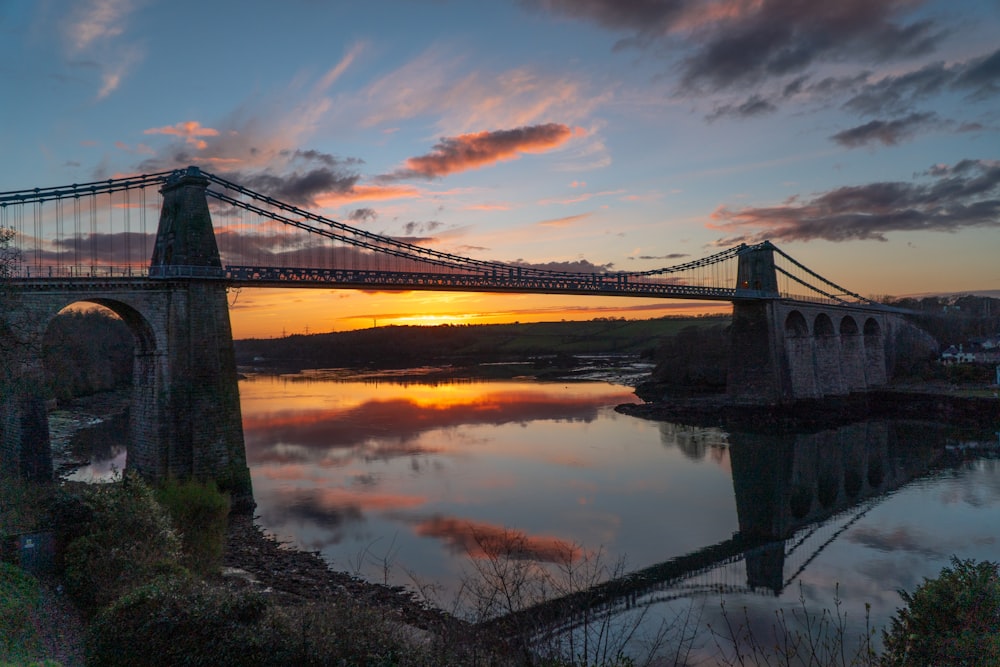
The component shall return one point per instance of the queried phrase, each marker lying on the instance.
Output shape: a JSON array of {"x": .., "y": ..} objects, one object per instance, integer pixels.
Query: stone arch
[
  {"x": 823, "y": 325},
  {"x": 827, "y": 489},
  {"x": 876, "y": 471},
  {"x": 848, "y": 326},
  {"x": 143, "y": 359},
  {"x": 872, "y": 327},
  {"x": 138, "y": 324},
  {"x": 853, "y": 482},
  {"x": 796, "y": 325},
  {"x": 800, "y": 501}
]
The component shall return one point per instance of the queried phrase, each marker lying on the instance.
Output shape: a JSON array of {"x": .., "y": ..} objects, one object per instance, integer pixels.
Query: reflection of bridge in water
[{"x": 795, "y": 495}]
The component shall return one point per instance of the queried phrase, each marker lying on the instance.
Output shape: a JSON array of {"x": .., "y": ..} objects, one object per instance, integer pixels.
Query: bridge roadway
[{"x": 284, "y": 277}]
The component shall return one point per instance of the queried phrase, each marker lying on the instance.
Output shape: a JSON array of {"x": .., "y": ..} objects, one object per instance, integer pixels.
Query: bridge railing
[{"x": 28, "y": 271}]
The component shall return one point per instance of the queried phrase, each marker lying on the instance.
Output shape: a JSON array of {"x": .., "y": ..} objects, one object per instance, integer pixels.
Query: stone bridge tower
[
  {"x": 196, "y": 401},
  {"x": 185, "y": 419},
  {"x": 784, "y": 350}
]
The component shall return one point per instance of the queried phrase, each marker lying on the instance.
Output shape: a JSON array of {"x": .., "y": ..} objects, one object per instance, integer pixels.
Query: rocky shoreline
[{"x": 293, "y": 576}]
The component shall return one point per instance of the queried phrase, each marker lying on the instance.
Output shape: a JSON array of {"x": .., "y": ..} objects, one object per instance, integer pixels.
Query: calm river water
[{"x": 417, "y": 483}]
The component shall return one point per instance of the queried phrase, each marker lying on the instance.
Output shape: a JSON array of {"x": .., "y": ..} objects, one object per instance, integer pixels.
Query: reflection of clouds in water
[
  {"x": 385, "y": 429},
  {"x": 901, "y": 538},
  {"x": 982, "y": 493},
  {"x": 484, "y": 540},
  {"x": 331, "y": 511},
  {"x": 885, "y": 576},
  {"x": 101, "y": 469}
]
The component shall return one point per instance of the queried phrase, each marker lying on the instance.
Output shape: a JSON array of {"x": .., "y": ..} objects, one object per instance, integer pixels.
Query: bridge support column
[
  {"x": 187, "y": 420},
  {"x": 188, "y": 393},
  {"x": 25, "y": 451},
  {"x": 758, "y": 374}
]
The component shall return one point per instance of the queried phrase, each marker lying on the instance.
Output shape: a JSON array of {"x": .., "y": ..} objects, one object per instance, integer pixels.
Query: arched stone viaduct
[
  {"x": 783, "y": 350},
  {"x": 786, "y": 351}
]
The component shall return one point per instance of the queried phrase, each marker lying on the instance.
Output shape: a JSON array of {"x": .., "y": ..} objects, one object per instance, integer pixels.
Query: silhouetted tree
[
  {"x": 697, "y": 358},
  {"x": 86, "y": 353}
]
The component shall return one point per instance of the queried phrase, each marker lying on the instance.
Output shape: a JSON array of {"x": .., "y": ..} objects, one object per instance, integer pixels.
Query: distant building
[{"x": 955, "y": 355}]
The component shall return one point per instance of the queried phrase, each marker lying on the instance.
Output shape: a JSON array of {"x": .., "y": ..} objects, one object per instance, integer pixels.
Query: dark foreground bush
[
  {"x": 185, "y": 621},
  {"x": 128, "y": 541},
  {"x": 953, "y": 619},
  {"x": 19, "y": 598},
  {"x": 200, "y": 512}
]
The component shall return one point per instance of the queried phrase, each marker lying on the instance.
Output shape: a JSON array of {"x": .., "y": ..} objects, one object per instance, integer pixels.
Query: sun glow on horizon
[{"x": 272, "y": 313}]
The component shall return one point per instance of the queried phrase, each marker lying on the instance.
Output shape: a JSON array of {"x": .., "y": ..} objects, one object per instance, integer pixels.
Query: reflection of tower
[
  {"x": 766, "y": 567},
  {"x": 762, "y": 467},
  {"x": 786, "y": 482}
]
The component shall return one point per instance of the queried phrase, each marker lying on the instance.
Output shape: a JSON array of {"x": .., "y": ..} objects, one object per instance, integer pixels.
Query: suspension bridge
[
  {"x": 795, "y": 334},
  {"x": 100, "y": 230}
]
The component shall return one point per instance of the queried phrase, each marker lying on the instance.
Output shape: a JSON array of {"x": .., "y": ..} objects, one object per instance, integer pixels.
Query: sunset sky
[{"x": 860, "y": 136}]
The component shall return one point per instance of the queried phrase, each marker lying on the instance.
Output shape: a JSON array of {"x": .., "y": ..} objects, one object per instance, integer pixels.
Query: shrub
[
  {"x": 128, "y": 542},
  {"x": 200, "y": 512},
  {"x": 20, "y": 503},
  {"x": 182, "y": 620},
  {"x": 185, "y": 621},
  {"x": 953, "y": 619},
  {"x": 19, "y": 598}
]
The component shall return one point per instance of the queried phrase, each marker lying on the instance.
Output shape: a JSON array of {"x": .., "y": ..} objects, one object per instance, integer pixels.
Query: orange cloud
[
  {"x": 565, "y": 221},
  {"x": 581, "y": 197},
  {"x": 471, "y": 151},
  {"x": 367, "y": 193},
  {"x": 190, "y": 130}
]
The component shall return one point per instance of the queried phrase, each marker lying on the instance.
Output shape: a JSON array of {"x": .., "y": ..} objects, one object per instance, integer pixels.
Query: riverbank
[
  {"x": 944, "y": 404},
  {"x": 294, "y": 576}
]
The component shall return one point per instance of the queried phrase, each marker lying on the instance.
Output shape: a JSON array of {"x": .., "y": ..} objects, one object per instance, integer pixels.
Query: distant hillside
[{"x": 403, "y": 346}]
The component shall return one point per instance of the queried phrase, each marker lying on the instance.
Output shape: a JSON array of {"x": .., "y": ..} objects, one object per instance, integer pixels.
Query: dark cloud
[
  {"x": 471, "y": 151},
  {"x": 744, "y": 44},
  {"x": 673, "y": 255},
  {"x": 297, "y": 188},
  {"x": 964, "y": 195},
  {"x": 579, "y": 266},
  {"x": 114, "y": 249},
  {"x": 647, "y": 17},
  {"x": 887, "y": 132},
  {"x": 414, "y": 227},
  {"x": 362, "y": 215},
  {"x": 971, "y": 127},
  {"x": 755, "y": 105},
  {"x": 979, "y": 78},
  {"x": 331, "y": 161},
  {"x": 295, "y": 176},
  {"x": 897, "y": 94}
]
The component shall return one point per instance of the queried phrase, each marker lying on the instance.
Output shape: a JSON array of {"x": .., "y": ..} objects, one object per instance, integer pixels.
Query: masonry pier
[{"x": 185, "y": 418}]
